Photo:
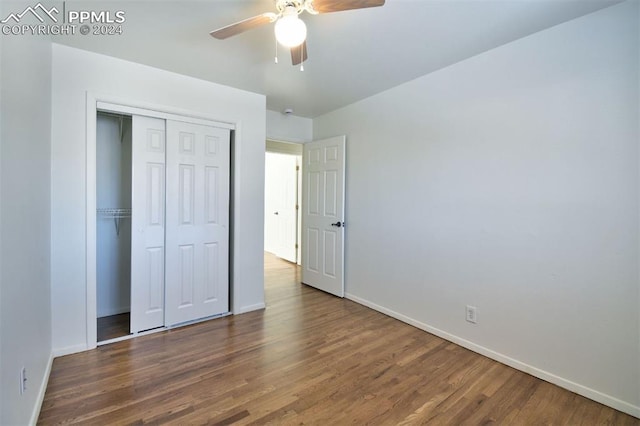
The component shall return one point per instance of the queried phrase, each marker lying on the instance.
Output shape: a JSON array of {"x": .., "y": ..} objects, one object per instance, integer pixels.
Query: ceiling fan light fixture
[{"x": 290, "y": 30}]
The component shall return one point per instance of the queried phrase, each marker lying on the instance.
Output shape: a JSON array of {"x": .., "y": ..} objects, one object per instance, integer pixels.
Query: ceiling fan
[{"x": 290, "y": 30}]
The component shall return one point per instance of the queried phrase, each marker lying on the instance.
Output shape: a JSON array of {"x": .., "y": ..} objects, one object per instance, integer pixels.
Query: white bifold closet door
[
  {"x": 147, "y": 223},
  {"x": 197, "y": 227},
  {"x": 180, "y": 222}
]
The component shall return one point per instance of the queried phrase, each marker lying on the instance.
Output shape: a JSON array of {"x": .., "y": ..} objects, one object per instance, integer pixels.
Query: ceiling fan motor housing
[{"x": 299, "y": 5}]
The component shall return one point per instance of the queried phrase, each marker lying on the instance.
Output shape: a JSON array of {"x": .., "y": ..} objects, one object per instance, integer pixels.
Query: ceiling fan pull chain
[
  {"x": 302, "y": 58},
  {"x": 276, "y": 60}
]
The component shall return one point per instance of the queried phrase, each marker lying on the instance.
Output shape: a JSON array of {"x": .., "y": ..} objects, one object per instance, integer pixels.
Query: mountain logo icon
[{"x": 39, "y": 11}]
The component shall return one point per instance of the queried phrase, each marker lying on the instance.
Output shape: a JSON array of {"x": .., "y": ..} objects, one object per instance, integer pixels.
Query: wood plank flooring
[
  {"x": 309, "y": 358},
  {"x": 113, "y": 326}
]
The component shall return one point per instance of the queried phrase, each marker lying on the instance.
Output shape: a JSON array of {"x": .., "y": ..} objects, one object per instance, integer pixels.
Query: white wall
[
  {"x": 509, "y": 182},
  {"x": 288, "y": 128},
  {"x": 74, "y": 73},
  {"x": 25, "y": 152}
]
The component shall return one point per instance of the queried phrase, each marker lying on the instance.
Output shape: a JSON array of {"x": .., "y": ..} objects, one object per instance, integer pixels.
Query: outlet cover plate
[{"x": 472, "y": 314}]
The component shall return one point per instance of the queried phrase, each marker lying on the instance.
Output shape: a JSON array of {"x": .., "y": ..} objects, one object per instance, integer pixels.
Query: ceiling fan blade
[
  {"x": 299, "y": 54},
  {"x": 326, "y": 6},
  {"x": 245, "y": 25}
]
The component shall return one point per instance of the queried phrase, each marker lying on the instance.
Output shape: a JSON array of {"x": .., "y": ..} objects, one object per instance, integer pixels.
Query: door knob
[
  {"x": 337, "y": 224},
  {"x": 275, "y": 213}
]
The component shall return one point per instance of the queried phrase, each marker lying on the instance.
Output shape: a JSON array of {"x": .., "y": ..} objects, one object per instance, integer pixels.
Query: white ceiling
[{"x": 352, "y": 55}]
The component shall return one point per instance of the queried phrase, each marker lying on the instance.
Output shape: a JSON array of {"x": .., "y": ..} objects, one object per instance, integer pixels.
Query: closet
[
  {"x": 162, "y": 199},
  {"x": 113, "y": 224}
]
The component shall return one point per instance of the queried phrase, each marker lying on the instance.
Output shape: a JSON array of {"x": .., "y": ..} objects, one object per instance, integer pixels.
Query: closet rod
[
  {"x": 113, "y": 114},
  {"x": 116, "y": 115},
  {"x": 116, "y": 214}
]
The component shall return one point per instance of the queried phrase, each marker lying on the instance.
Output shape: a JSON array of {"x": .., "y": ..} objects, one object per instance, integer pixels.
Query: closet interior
[{"x": 113, "y": 224}]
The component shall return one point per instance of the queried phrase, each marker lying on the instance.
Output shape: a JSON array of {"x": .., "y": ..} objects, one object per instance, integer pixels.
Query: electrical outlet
[
  {"x": 472, "y": 314},
  {"x": 23, "y": 380}
]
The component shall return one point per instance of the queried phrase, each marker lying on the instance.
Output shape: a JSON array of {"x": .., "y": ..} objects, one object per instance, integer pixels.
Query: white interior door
[
  {"x": 271, "y": 195},
  {"x": 147, "y": 223},
  {"x": 287, "y": 214},
  {"x": 197, "y": 232},
  {"x": 323, "y": 215},
  {"x": 281, "y": 186}
]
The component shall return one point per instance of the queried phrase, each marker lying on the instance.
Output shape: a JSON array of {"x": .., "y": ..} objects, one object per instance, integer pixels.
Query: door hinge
[
  {"x": 297, "y": 168},
  {"x": 296, "y": 246},
  {"x": 297, "y": 207}
]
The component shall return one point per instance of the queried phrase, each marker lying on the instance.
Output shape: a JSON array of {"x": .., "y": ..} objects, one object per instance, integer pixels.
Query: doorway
[
  {"x": 320, "y": 209},
  {"x": 283, "y": 190}
]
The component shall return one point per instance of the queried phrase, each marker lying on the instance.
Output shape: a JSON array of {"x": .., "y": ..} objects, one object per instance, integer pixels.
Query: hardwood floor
[
  {"x": 113, "y": 326},
  {"x": 309, "y": 358}
]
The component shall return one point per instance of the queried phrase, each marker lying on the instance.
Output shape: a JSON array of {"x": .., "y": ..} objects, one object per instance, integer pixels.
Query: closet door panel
[
  {"x": 148, "y": 224},
  {"x": 198, "y": 167},
  {"x": 212, "y": 272},
  {"x": 154, "y": 285},
  {"x": 186, "y": 277}
]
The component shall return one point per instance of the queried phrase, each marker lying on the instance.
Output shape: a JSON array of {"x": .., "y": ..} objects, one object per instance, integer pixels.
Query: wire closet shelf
[{"x": 115, "y": 214}]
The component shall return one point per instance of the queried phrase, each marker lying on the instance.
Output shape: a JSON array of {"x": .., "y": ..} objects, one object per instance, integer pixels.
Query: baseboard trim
[
  {"x": 69, "y": 350},
  {"x": 116, "y": 311},
  {"x": 587, "y": 392},
  {"x": 41, "y": 392},
  {"x": 249, "y": 308}
]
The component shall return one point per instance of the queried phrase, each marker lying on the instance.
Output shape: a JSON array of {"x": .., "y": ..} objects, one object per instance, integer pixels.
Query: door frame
[{"x": 100, "y": 102}]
